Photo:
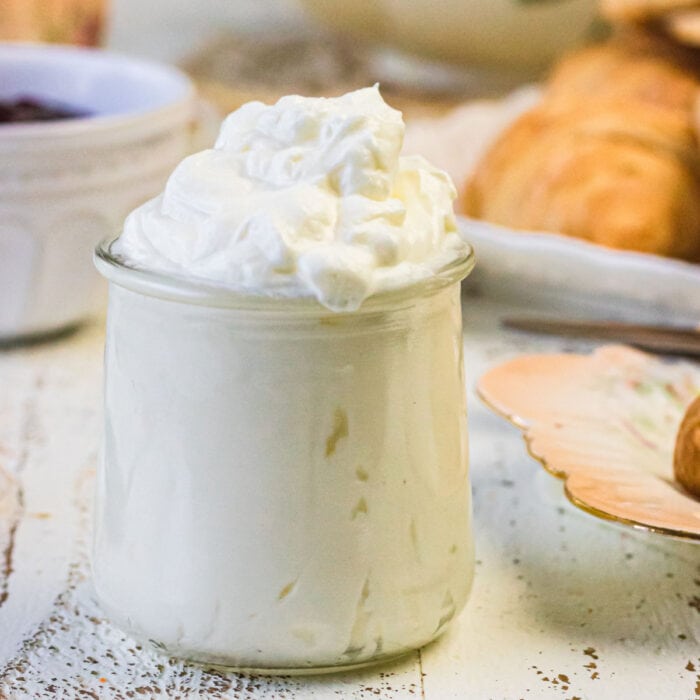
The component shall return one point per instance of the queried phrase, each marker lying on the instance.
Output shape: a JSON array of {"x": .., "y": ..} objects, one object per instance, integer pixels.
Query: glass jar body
[{"x": 283, "y": 491}]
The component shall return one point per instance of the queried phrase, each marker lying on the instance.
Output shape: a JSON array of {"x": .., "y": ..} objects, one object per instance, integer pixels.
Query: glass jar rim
[{"x": 201, "y": 293}]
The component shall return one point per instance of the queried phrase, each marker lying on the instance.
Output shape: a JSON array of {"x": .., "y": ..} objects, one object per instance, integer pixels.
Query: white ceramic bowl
[
  {"x": 64, "y": 185},
  {"x": 520, "y": 35}
]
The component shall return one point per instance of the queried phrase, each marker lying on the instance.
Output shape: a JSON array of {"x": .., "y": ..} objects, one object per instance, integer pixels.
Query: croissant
[
  {"x": 684, "y": 25},
  {"x": 637, "y": 10},
  {"x": 678, "y": 19},
  {"x": 604, "y": 158},
  {"x": 637, "y": 67}
]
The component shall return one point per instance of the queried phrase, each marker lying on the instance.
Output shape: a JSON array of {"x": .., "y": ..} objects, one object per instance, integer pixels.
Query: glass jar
[{"x": 283, "y": 488}]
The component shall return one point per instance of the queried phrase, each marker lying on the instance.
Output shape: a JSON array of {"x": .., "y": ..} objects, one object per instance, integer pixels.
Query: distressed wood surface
[{"x": 563, "y": 606}]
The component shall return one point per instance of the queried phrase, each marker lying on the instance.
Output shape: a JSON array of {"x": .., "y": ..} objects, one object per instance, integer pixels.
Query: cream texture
[
  {"x": 283, "y": 491},
  {"x": 287, "y": 489},
  {"x": 305, "y": 198}
]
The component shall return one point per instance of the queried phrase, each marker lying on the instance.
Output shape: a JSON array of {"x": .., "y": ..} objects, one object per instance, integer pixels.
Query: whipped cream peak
[{"x": 307, "y": 197}]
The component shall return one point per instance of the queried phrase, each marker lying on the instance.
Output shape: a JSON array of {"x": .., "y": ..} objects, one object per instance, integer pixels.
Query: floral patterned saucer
[{"x": 606, "y": 424}]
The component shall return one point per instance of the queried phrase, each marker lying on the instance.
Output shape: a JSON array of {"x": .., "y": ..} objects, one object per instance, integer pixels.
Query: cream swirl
[{"x": 307, "y": 197}]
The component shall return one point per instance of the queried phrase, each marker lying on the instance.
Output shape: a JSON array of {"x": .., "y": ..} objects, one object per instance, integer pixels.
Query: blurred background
[
  {"x": 187, "y": 26},
  {"x": 508, "y": 40},
  {"x": 568, "y": 126}
]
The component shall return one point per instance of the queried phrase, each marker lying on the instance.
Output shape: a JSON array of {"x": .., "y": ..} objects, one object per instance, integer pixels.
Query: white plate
[
  {"x": 547, "y": 270},
  {"x": 550, "y": 271}
]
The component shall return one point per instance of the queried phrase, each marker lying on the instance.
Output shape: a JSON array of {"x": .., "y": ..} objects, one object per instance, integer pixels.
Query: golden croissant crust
[{"x": 609, "y": 156}]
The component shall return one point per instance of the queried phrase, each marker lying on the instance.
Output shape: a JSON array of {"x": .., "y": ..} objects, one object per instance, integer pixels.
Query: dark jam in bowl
[{"x": 30, "y": 109}]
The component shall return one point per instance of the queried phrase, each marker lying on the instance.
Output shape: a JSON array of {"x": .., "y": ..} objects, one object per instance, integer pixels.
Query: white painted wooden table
[{"x": 563, "y": 605}]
